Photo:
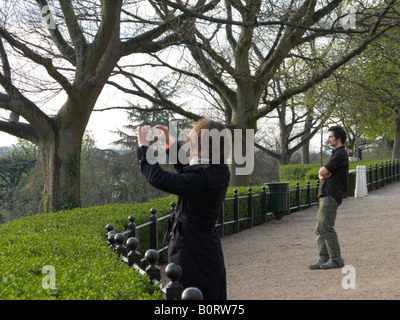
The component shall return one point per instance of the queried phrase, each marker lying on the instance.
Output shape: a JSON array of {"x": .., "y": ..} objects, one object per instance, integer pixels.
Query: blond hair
[{"x": 203, "y": 134}]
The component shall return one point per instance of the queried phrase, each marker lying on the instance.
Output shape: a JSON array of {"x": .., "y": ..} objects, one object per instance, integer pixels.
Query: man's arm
[{"x": 324, "y": 173}]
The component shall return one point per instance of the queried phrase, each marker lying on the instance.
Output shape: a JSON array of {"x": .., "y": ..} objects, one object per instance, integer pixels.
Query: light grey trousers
[{"x": 327, "y": 239}]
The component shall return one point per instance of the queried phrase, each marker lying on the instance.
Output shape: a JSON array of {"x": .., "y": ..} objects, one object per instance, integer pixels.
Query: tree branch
[
  {"x": 16, "y": 102},
  {"x": 323, "y": 75},
  {"x": 20, "y": 130},
  {"x": 258, "y": 23},
  {"x": 74, "y": 30},
  {"x": 246, "y": 38},
  {"x": 267, "y": 151},
  {"x": 7, "y": 73},
  {"x": 187, "y": 73},
  {"x": 132, "y": 107},
  {"x": 205, "y": 45},
  {"x": 110, "y": 24},
  {"x": 229, "y": 35},
  {"x": 144, "y": 43},
  {"x": 66, "y": 50},
  {"x": 45, "y": 62},
  {"x": 162, "y": 101}
]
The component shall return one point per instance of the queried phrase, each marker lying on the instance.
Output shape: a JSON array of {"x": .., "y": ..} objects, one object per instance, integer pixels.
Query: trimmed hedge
[
  {"x": 257, "y": 206},
  {"x": 309, "y": 172},
  {"x": 74, "y": 243},
  {"x": 297, "y": 171}
]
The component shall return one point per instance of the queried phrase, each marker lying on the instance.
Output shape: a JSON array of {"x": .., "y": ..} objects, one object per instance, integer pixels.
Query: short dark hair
[{"x": 339, "y": 133}]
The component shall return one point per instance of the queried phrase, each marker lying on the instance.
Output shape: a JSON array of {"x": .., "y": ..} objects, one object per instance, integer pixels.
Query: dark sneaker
[
  {"x": 317, "y": 265},
  {"x": 332, "y": 264}
]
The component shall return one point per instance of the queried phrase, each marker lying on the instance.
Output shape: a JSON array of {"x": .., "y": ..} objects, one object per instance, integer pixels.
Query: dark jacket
[
  {"x": 336, "y": 186},
  {"x": 195, "y": 245}
]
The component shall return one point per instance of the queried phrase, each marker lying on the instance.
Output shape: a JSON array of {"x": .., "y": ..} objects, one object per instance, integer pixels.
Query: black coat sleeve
[
  {"x": 185, "y": 184},
  {"x": 175, "y": 147}
]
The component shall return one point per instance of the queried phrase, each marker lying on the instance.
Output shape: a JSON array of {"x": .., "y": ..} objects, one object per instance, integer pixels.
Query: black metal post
[
  {"x": 153, "y": 229},
  {"x": 111, "y": 240},
  {"x": 370, "y": 178},
  {"x": 172, "y": 210},
  {"x": 173, "y": 289},
  {"x": 309, "y": 194},
  {"x": 132, "y": 226},
  {"x": 133, "y": 256},
  {"x": 263, "y": 204},
  {"x": 236, "y": 209},
  {"x": 120, "y": 248},
  {"x": 298, "y": 199},
  {"x": 250, "y": 207},
  {"x": 153, "y": 270}
]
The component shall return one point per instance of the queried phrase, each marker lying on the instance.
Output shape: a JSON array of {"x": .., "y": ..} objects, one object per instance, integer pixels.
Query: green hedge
[
  {"x": 257, "y": 205},
  {"x": 243, "y": 207},
  {"x": 309, "y": 172},
  {"x": 73, "y": 242},
  {"x": 297, "y": 171}
]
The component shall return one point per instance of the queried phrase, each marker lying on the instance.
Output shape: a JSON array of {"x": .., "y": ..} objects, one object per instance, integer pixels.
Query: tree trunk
[
  {"x": 243, "y": 136},
  {"x": 61, "y": 148},
  {"x": 307, "y": 131},
  {"x": 284, "y": 133},
  {"x": 305, "y": 157},
  {"x": 284, "y": 157},
  {"x": 61, "y": 162}
]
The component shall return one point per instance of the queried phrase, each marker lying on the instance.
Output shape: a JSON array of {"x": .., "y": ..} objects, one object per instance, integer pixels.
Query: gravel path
[{"x": 270, "y": 261}]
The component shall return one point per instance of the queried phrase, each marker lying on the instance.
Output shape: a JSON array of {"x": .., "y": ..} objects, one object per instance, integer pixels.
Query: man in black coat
[{"x": 201, "y": 188}]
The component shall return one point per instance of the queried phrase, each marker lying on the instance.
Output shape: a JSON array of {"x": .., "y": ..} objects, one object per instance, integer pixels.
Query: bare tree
[
  {"x": 299, "y": 118},
  {"x": 74, "y": 53},
  {"x": 252, "y": 67},
  {"x": 240, "y": 47}
]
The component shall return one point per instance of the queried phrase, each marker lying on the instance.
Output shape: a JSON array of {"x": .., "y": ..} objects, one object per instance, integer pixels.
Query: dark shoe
[
  {"x": 332, "y": 264},
  {"x": 317, "y": 265}
]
